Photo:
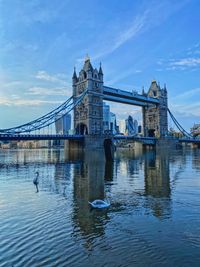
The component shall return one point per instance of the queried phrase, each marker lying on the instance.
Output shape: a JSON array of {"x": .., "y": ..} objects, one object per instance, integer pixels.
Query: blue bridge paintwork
[
  {"x": 144, "y": 140},
  {"x": 27, "y": 137},
  {"x": 132, "y": 98}
]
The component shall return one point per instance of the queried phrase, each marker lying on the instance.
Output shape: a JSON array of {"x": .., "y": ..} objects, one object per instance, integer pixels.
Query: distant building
[
  {"x": 113, "y": 126},
  {"x": 122, "y": 126},
  {"x": 106, "y": 117},
  {"x": 139, "y": 129},
  {"x": 195, "y": 130},
  {"x": 109, "y": 120},
  {"x": 131, "y": 126},
  {"x": 63, "y": 123}
]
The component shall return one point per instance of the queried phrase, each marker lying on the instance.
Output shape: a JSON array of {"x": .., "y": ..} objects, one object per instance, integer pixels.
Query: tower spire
[
  {"x": 87, "y": 65},
  {"x": 100, "y": 69},
  {"x": 87, "y": 58},
  {"x": 74, "y": 77}
]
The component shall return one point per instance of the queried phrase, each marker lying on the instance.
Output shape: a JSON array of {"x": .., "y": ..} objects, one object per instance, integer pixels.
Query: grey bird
[{"x": 36, "y": 180}]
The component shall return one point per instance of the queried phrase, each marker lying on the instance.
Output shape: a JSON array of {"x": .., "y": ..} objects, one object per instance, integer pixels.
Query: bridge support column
[
  {"x": 93, "y": 142},
  {"x": 166, "y": 143},
  {"x": 74, "y": 145},
  {"x": 89, "y": 142}
]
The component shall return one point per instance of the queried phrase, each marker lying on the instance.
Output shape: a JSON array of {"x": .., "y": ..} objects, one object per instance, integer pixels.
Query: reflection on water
[
  {"x": 157, "y": 182},
  {"x": 154, "y": 197},
  {"x": 88, "y": 186}
]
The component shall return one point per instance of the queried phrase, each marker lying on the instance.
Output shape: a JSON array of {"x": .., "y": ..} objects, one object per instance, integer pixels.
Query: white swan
[{"x": 99, "y": 204}]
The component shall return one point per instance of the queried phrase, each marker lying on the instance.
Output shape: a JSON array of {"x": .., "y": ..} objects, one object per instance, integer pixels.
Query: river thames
[{"x": 153, "y": 220}]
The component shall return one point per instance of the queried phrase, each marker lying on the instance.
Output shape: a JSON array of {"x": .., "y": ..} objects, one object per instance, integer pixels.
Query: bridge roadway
[
  {"x": 32, "y": 137},
  {"x": 144, "y": 140},
  {"x": 131, "y": 98},
  {"x": 189, "y": 140}
]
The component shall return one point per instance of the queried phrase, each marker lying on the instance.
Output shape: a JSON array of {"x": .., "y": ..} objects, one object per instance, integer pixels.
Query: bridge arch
[{"x": 81, "y": 128}]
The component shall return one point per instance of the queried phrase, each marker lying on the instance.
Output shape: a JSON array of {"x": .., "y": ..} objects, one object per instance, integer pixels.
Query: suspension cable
[
  {"x": 181, "y": 129},
  {"x": 48, "y": 118}
]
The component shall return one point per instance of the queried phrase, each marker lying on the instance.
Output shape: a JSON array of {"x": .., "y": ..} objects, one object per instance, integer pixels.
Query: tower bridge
[
  {"x": 86, "y": 103},
  {"x": 88, "y": 116}
]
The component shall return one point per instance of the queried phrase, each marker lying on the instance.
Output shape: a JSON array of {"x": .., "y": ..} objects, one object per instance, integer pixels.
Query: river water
[{"x": 153, "y": 220}]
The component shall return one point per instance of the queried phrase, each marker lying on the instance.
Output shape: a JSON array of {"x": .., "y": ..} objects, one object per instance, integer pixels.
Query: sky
[{"x": 136, "y": 41}]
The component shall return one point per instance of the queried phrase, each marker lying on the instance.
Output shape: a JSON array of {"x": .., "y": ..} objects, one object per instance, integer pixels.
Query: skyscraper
[
  {"x": 109, "y": 119},
  {"x": 63, "y": 123},
  {"x": 131, "y": 127}
]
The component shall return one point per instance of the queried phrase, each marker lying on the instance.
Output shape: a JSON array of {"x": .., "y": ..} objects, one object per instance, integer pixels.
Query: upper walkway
[{"x": 132, "y": 98}]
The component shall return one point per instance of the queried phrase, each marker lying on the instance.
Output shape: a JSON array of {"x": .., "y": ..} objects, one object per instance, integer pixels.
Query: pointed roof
[
  {"x": 87, "y": 65},
  {"x": 100, "y": 69},
  {"x": 74, "y": 74}
]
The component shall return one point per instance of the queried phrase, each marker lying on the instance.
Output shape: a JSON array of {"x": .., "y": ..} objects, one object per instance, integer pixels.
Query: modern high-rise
[
  {"x": 131, "y": 127},
  {"x": 109, "y": 119},
  {"x": 63, "y": 123},
  {"x": 122, "y": 126},
  {"x": 106, "y": 117}
]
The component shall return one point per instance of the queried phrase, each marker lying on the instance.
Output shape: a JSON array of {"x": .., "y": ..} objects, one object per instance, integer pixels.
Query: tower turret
[
  {"x": 100, "y": 73},
  {"x": 88, "y": 115},
  {"x": 74, "y": 77},
  {"x": 155, "y": 117}
]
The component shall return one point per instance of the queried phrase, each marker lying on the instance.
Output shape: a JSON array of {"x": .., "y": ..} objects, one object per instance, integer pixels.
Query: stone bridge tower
[
  {"x": 155, "y": 121},
  {"x": 88, "y": 115}
]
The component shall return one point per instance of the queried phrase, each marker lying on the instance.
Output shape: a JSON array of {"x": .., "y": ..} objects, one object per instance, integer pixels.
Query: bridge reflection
[
  {"x": 157, "y": 183},
  {"x": 135, "y": 180},
  {"x": 89, "y": 185},
  {"x": 94, "y": 178}
]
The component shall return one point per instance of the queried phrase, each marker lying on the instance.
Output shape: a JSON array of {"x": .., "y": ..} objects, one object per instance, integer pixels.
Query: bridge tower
[
  {"x": 88, "y": 115},
  {"x": 155, "y": 121}
]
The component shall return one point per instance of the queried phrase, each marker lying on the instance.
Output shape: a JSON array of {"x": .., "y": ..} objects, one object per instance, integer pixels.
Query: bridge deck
[
  {"x": 32, "y": 137},
  {"x": 144, "y": 140},
  {"x": 132, "y": 98}
]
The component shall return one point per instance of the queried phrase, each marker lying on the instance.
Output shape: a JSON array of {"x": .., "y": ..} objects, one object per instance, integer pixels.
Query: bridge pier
[
  {"x": 74, "y": 145},
  {"x": 93, "y": 142},
  {"x": 195, "y": 145},
  {"x": 89, "y": 142},
  {"x": 166, "y": 143}
]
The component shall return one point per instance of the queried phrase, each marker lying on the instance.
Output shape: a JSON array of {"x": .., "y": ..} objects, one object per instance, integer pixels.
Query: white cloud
[
  {"x": 134, "y": 29},
  {"x": 192, "y": 61},
  {"x": 123, "y": 36},
  {"x": 43, "y": 75},
  {"x": 48, "y": 91},
  {"x": 121, "y": 76},
  {"x": 26, "y": 102},
  {"x": 186, "y": 62},
  {"x": 30, "y": 12},
  {"x": 189, "y": 93},
  {"x": 191, "y": 109}
]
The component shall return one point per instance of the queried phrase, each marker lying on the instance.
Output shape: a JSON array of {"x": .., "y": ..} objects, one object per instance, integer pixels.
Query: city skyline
[{"x": 135, "y": 41}]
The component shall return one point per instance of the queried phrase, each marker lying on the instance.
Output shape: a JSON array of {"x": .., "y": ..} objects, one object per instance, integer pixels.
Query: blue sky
[{"x": 136, "y": 41}]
